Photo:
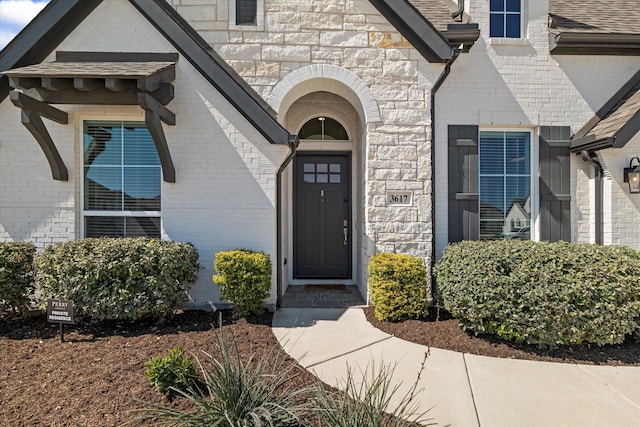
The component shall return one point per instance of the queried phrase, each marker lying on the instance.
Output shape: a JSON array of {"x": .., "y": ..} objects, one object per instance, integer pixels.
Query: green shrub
[
  {"x": 16, "y": 275},
  {"x": 114, "y": 278},
  {"x": 398, "y": 285},
  {"x": 175, "y": 371},
  {"x": 542, "y": 293},
  {"x": 244, "y": 279},
  {"x": 238, "y": 390}
]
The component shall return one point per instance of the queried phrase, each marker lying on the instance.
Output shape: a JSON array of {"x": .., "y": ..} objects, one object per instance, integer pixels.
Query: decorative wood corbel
[
  {"x": 155, "y": 112},
  {"x": 32, "y": 113}
]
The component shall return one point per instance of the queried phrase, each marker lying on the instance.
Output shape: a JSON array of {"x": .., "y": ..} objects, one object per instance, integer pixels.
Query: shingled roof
[
  {"x": 459, "y": 34},
  {"x": 595, "y": 16},
  {"x": 438, "y": 12},
  {"x": 594, "y": 27},
  {"x": 615, "y": 123}
]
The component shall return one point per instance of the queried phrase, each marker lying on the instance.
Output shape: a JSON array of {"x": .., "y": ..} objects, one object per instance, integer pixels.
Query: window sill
[
  {"x": 254, "y": 27},
  {"x": 507, "y": 41}
]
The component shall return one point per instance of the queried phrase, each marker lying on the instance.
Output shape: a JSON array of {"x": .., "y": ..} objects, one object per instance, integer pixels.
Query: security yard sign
[{"x": 60, "y": 311}]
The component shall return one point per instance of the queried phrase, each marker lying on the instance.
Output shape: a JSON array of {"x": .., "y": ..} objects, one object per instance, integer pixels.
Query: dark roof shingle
[
  {"x": 438, "y": 12},
  {"x": 595, "y": 16}
]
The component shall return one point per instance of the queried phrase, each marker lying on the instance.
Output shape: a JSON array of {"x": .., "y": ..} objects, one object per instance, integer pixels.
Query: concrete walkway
[{"x": 462, "y": 389}]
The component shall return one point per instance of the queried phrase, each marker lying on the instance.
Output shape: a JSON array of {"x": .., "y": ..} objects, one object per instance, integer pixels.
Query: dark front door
[{"x": 322, "y": 217}]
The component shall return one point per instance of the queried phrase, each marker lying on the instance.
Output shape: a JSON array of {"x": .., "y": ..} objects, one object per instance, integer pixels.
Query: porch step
[{"x": 322, "y": 296}]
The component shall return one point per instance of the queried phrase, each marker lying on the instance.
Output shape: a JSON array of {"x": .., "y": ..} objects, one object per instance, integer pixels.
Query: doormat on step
[{"x": 325, "y": 288}]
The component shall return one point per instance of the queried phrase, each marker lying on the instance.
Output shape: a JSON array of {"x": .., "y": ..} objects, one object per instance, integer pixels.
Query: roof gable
[
  {"x": 38, "y": 39},
  {"x": 615, "y": 123},
  {"x": 60, "y": 18}
]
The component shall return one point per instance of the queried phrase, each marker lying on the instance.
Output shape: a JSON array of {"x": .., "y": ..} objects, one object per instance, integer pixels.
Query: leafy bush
[
  {"x": 398, "y": 285},
  {"x": 16, "y": 275},
  {"x": 542, "y": 293},
  {"x": 365, "y": 400},
  {"x": 244, "y": 279},
  {"x": 175, "y": 371},
  {"x": 123, "y": 279},
  {"x": 238, "y": 392}
]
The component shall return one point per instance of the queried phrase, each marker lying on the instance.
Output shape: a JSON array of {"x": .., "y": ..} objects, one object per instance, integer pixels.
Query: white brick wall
[
  {"x": 519, "y": 85},
  {"x": 33, "y": 207},
  {"x": 622, "y": 212},
  {"x": 224, "y": 195}
]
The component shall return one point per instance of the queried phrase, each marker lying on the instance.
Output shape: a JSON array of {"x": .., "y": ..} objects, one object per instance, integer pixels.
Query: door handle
[{"x": 345, "y": 232}]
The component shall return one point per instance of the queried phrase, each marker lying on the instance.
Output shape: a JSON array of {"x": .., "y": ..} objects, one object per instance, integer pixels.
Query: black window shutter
[
  {"x": 246, "y": 11},
  {"x": 555, "y": 192},
  {"x": 464, "y": 205}
]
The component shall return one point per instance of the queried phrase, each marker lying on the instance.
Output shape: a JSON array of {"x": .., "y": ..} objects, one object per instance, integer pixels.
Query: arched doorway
[
  {"x": 324, "y": 188},
  {"x": 322, "y": 220}
]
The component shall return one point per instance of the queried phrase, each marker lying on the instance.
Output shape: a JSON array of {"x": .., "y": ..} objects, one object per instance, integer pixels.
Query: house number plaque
[{"x": 399, "y": 198}]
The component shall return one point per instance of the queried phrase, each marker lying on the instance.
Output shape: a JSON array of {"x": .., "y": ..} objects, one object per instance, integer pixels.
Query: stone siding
[{"x": 350, "y": 35}]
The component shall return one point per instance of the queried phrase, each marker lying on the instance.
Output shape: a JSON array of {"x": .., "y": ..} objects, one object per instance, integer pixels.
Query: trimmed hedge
[
  {"x": 118, "y": 278},
  {"x": 244, "y": 279},
  {"x": 16, "y": 275},
  {"x": 398, "y": 285},
  {"x": 542, "y": 293}
]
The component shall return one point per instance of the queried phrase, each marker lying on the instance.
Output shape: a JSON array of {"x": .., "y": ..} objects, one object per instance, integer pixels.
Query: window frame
[
  {"x": 84, "y": 213},
  {"x": 259, "y": 24},
  {"x": 504, "y": 39},
  {"x": 534, "y": 173}
]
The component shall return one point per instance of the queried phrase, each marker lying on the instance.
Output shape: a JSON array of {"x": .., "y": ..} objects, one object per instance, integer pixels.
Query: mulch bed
[
  {"x": 97, "y": 376},
  {"x": 440, "y": 330}
]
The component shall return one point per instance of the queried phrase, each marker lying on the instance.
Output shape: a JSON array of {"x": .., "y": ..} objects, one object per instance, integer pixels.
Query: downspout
[
  {"x": 458, "y": 13},
  {"x": 436, "y": 86},
  {"x": 590, "y": 158},
  {"x": 293, "y": 143}
]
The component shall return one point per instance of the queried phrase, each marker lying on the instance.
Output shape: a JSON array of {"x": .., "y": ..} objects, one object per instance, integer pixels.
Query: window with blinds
[
  {"x": 246, "y": 12},
  {"x": 505, "y": 185},
  {"x": 122, "y": 180}
]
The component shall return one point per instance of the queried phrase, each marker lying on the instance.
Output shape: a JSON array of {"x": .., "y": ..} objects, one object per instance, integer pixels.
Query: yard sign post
[{"x": 61, "y": 312}]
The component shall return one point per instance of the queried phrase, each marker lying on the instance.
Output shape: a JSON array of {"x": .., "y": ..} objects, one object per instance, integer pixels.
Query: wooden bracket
[
  {"x": 32, "y": 113},
  {"x": 155, "y": 112}
]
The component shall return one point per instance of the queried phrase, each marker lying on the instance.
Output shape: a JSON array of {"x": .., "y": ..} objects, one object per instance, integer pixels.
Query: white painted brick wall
[
  {"x": 519, "y": 85},
  {"x": 622, "y": 212},
  {"x": 224, "y": 195},
  {"x": 33, "y": 206}
]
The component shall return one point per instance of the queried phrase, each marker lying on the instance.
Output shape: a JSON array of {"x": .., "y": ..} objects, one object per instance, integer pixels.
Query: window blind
[{"x": 122, "y": 179}]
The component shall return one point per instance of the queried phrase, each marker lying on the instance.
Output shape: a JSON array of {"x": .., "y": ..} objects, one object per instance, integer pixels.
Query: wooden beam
[
  {"x": 43, "y": 109},
  {"x": 50, "y": 83},
  {"x": 118, "y": 85},
  {"x": 155, "y": 114},
  {"x": 23, "y": 82},
  {"x": 32, "y": 113},
  {"x": 86, "y": 85},
  {"x": 152, "y": 83},
  {"x": 149, "y": 103},
  {"x": 103, "y": 96}
]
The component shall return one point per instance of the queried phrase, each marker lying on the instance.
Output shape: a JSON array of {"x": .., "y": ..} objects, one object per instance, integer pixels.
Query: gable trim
[
  {"x": 40, "y": 37},
  {"x": 585, "y": 139},
  {"x": 581, "y": 43},
  {"x": 416, "y": 29}
]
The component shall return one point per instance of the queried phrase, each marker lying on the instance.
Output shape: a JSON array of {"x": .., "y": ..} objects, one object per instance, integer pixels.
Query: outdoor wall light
[{"x": 632, "y": 176}]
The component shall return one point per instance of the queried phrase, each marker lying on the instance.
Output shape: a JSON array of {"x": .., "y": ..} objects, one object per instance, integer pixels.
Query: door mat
[{"x": 325, "y": 288}]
